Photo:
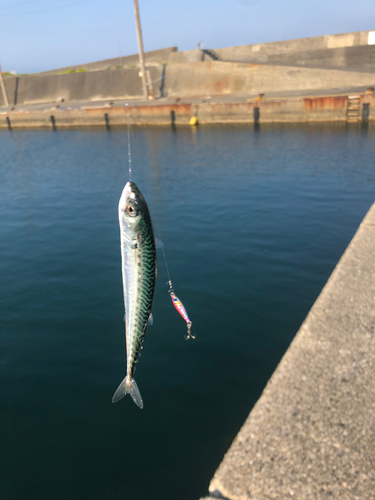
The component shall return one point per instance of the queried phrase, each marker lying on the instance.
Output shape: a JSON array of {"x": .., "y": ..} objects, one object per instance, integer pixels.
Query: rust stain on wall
[
  {"x": 222, "y": 85},
  {"x": 329, "y": 103}
]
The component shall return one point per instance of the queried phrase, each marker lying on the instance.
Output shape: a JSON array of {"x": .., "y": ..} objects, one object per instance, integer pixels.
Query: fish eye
[{"x": 131, "y": 211}]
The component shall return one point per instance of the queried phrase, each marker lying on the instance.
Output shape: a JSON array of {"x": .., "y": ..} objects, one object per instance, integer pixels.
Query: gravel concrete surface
[{"x": 311, "y": 435}]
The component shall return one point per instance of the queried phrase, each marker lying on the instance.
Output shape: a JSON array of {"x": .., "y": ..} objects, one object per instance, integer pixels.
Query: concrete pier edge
[
  {"x": 311, "y": 435},
  {"x": 282, "y": 108}
]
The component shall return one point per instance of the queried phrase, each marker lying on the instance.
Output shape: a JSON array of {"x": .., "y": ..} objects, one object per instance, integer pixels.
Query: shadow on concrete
[
  {"x": 162, "y": 83},
  {"x": 16, "y": 91},
  {"x": 209, "y": 54}
]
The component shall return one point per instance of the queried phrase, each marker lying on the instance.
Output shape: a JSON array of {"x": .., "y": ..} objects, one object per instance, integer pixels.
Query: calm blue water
[{"x": 253, "y": 223}]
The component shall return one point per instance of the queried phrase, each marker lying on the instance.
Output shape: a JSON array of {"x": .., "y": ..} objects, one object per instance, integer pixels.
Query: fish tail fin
[{"x": 128, "y": 386}]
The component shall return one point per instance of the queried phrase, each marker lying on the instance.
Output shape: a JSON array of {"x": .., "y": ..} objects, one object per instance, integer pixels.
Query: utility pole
[
  {"x": 140, "y": 45},
  {"x": 3, "y": 89}
]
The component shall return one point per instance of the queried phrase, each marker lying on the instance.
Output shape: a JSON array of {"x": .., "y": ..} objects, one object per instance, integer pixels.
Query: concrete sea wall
[
  {"x": 179, "y": 80},
  {"x": 287, "y": 47},
  {"x": 86, "y": 86},
  {"x": 216, "y": 77},
  {"x": 311, "y": 434},
  {"x": 354, "y": 58},
  {"x": 288, "y": 68},
  {"x": 292, "y": 65}
]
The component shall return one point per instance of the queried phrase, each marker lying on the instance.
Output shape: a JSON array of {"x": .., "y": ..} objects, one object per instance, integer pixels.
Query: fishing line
[
  {"x": 127, "y": 110},
  {"x": 129, "y": 149},
  {"x": 175, "y": 300}
]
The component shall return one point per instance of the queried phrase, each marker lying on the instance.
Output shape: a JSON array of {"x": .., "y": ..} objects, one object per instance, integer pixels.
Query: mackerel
[{"x": 139, "y": 272}]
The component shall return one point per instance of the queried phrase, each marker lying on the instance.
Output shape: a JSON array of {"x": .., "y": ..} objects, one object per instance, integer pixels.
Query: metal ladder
[{"x": 353, "y": 108}]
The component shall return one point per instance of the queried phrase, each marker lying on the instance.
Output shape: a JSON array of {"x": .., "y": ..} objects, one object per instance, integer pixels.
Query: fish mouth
[
  {"x": 130, "y": 189},
  {"x": 128, "y": 194}
]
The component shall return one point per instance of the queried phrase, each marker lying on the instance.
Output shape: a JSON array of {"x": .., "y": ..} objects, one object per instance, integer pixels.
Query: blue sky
[{"x": 35, "y": 38}]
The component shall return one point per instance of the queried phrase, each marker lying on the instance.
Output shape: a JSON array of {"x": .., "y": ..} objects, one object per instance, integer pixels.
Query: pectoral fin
[
  {"x": 150, "y": 320},
  {"x": 158, "y": 243}
]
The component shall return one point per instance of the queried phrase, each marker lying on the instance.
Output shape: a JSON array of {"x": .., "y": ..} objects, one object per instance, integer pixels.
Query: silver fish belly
[{"x": 139, "y": 272}]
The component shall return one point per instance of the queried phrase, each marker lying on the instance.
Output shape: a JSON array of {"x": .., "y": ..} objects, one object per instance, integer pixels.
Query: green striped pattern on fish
[
  {"x": 140, "y": 273},
  {"x": 139, "y": 269}
]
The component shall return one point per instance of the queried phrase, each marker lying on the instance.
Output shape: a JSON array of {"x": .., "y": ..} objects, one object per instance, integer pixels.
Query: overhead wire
[
  {"x": 23, "y": 3},
  {"x": 40, "y": 11}
]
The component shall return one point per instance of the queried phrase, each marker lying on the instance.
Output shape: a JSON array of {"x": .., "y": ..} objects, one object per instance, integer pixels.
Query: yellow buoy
[{"x": 193, "y": 121}]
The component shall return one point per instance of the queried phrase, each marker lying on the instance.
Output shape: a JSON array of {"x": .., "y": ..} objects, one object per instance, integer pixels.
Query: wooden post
[
  {"x": 140, "y": 46},
  {"x": 151, "y": 94}
]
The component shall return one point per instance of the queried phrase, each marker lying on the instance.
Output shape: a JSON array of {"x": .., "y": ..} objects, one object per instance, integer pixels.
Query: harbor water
[{"x": 253, "y": 223}]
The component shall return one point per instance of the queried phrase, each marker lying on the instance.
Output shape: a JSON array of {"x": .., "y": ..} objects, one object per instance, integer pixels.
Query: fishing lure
[{"x": 181, "y": 309}]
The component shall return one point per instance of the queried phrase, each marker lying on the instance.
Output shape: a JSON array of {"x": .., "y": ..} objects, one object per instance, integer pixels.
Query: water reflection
[{"x": 253, "y": 223}]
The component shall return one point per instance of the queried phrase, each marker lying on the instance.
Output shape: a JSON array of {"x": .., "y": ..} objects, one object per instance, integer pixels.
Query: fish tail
[{"x": 128, "y": 386}]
